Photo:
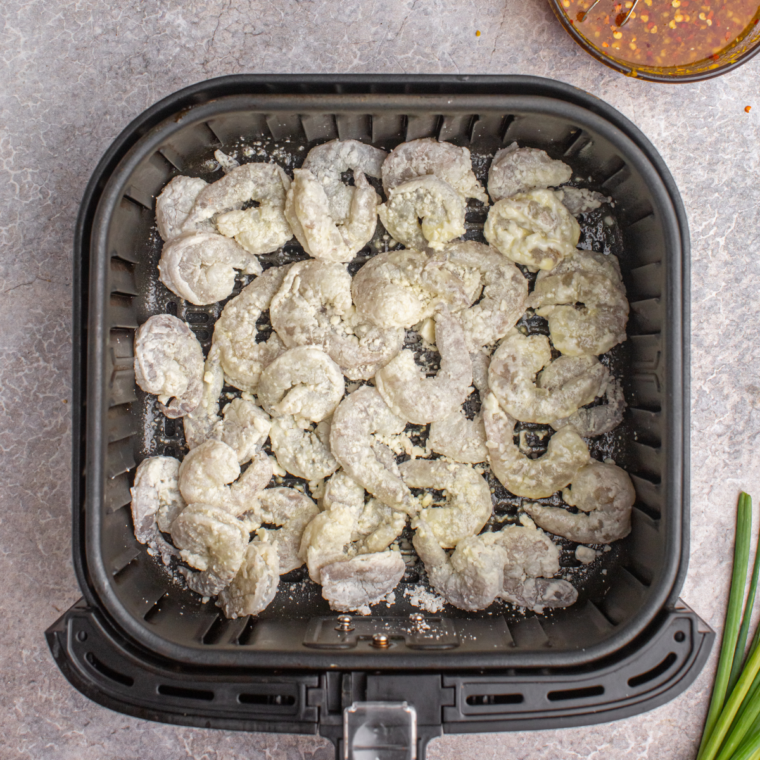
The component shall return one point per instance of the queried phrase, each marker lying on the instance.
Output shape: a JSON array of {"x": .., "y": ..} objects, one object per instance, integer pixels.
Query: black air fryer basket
[{"x": 141, "y": 644}]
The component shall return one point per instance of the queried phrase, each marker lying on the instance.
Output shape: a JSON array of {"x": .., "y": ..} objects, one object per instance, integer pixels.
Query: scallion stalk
[{"x": 741, "y": 644}]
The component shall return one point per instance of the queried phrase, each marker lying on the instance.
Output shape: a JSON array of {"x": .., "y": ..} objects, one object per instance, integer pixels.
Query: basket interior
[{"x": 628, "y": 581}]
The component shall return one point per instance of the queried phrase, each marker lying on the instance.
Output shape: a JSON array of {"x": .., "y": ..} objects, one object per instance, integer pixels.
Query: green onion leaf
[{"x": 719, "y": 720}]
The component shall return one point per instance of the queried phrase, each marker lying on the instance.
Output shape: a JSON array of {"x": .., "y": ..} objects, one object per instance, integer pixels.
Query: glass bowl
[{"x": 631, "y": 37}]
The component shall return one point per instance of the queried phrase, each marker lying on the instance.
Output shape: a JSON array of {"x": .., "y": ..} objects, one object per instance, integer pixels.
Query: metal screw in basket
[
  {"x": 380, "y": 641},
  {"x": 417, "y": 619},
  {"x": 344, "y": 623}
]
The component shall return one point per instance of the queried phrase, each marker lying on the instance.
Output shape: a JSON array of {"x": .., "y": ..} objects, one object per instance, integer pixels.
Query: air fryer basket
[{"x": 627, "y": 599}]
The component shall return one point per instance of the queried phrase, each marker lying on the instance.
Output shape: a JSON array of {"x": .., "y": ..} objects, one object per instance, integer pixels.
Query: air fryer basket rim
[{"x": 154, "y": 125}]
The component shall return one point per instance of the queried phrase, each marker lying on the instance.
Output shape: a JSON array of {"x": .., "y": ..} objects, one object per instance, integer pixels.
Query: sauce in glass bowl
[{"x": 669, "y": 35}]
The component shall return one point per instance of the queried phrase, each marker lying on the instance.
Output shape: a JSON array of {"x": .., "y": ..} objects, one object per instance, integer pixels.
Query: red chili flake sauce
[{"x": 662, "y": 33}]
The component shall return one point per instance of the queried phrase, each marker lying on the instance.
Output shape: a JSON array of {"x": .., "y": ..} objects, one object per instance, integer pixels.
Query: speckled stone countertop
[{"x": 74, "y": 74}]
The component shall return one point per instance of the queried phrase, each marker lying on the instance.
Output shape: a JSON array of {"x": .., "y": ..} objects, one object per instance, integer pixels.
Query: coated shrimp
[
  {"x": 207, "y": 471},
  {"x": 419, "y": 399},
  {"x": 169, "y": 364},
  {"x": 302, "y": 449},
  {"x": 530, "y": 478},
  {"x": 313, "y": 307},
  {"x": 201, "y": 266},
  {"x": 467, "y": 505},
  {"x": 517, "y": 170},
  {"x": 322, "y": 236},
  {"x": 303, "y": 382},
  {"x": 459, "y": 438},
  {"x": 575, "y": 380},
  {"x": 241, "y": 356},
  {"x": 427, "y": 156},
  {"x": 358, "y": 417},
  {"x": 424, "y": 212},
  {"x": 174, "y": 204},
  {"x": 533, "y": 229},
  {"x": 255, "y": 585},
  {"x": 605, "y": 495}
]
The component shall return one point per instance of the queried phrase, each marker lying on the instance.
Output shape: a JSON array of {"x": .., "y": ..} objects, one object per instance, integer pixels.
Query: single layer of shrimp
[
  {"x": 577, "y": 381},
  {"x": 156, "y": 502},
  {"x": 467, "y": 505},
  {"x": 401, "y": 288},
  {"x": 207, "y": 471},
  {"x": 174, "y": 204},
  {"x": 424, "y": 212},
  {"x": 265, "y": 184},
  {"x": 595, "y": 327},
  {"x": 201, "y": 266},
  {"x": 533, "y": 229},
  {"x": 313, "y": 307},
  {"x": 213, "y": 541},
  {"x": 329, "y": 161},
  {"x": 169, "y": 364},
  {"x": 323, "y": 236},
  {"x": 302, "y": 449},
  {"x": 304, "y": 382},
  {"x": 532, "y": 560},
  {"x": 418, "y": 158},
  {"x": 242, "y": 357},
  {"x": 605, "y": 495},
  {"x": 517, "y": 170},
  {"x": 471, "y": 578},
  {"x": 459, "y": 438},
  {"x": 255, "y": 585},
  {"x": 591, "y": 421},
  {"x": 243, "y": 426},
  {"x": 420, "y": 399},
  {"x": 291, "y": 511},
  {"x": 530, "y": 478},
  {"x": 361, "y": 581},
  {"x": 358, "y": 417},
  {"x": 504, "y": 291}
]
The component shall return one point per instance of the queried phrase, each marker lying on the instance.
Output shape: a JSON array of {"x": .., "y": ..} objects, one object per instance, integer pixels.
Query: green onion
[
  {"x": 719, "y": 720},
  {"x": 744, "y": 631}
]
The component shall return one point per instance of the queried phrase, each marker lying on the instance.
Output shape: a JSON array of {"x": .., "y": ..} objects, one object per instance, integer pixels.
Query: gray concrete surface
[{"x": 73, "y": 74}]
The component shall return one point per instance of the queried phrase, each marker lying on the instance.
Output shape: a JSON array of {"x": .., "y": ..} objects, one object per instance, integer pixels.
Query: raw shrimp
[
  {"x": 532, "y": 560},
  {"x": 301, "y": 449},
  {"x": 592, "y": 262},
  {"x": 531, "y": 478},
  {"x": 424, "y": 212},
  {"x": 329, "y": 161},
  {"x": 323, "y": 236},
  {"x": 378, "y": 527},
  {"x": 212, "y": 540},
  {"x": 504, "y": 291},
  {"x": 291, "y": 511},
  {"x": 265, "y": 184},
  {"x": 533, "y": 229},
  {"x": 313, "y": 307},
  {"x": 303, "y": 382},
  {"x": 169, "y": 364},
  {"x": 595, "y": 420},
  {"x": 255, "y": 585},
  {"x": 481, "y": 363},
  {"x": 468, "y": 498},
  {"x": 207, "y": 471},
  {"x": 174, "y": 204},
  {"x": 517, "y": 170},
  {"x": 361, "y": 581},
  {"x": 200, "y": 266},
  {"x": 425, "y": 156},
  {"x": 156, "y": 502},
  {"x": 592, "y": 329},
  {"x": 420, "y": 399},
  {"x": 243, "y": 426},
  {"x": 605, "y": 495},
  {"x": 575, "y": 382},
  {"x": 258, "y": 230},
  {"x": 459, "y": 438},
  {"x": 401, "y": 288},
  {"x": 356, "y": 419},
  {"x": 242, "y": 357},
  {"x": 471, "y": 578}
]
